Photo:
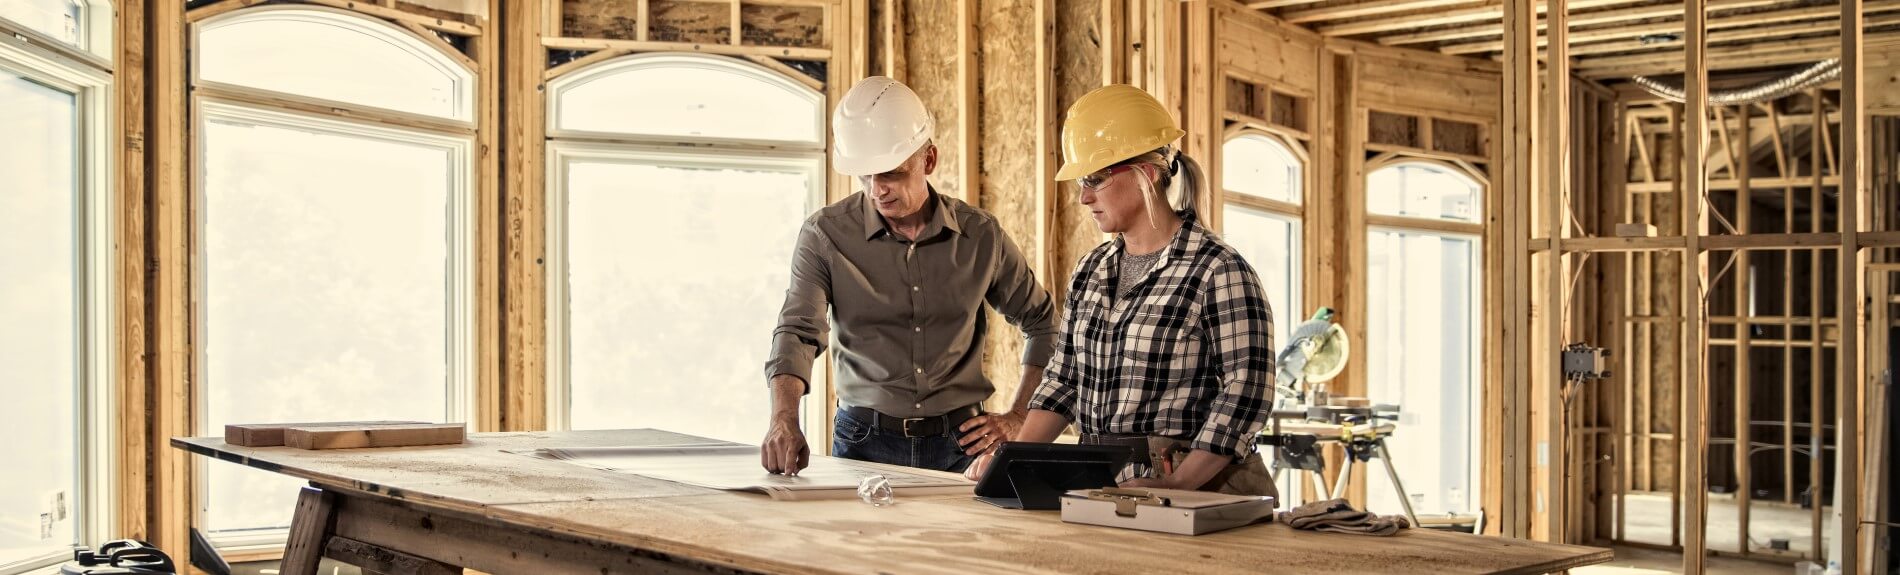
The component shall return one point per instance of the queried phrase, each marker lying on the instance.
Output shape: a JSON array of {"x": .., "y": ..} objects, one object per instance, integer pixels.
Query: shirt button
[
  {"x": 916, "y": 288},
  {"x": 917, "y": 406},
  {"x": 920, "y": 370},
  {"x": 918, "y": 329}
]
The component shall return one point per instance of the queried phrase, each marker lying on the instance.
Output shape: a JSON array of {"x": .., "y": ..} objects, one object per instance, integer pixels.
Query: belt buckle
[{"x": 907, "y": 422}]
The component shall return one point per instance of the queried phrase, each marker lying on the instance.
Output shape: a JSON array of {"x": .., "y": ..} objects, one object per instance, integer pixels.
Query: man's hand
[
  {"x": 983, "y": 432},
  {"x": 975, "y": 471},
  {"x": 784, "y": 450}
]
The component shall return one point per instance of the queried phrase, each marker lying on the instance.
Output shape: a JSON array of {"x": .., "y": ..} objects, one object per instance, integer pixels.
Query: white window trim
[
  {"x": 636, "y": 62},
  {"x": 467, "y": 84},
  {"x": 94, "y": 38},
  {"x": 1297, "y": 155},
  {"x": 459, "y": 385},
  {"x": 96, "y": 425},
  {"x": 562, "y": 156},
  {"x": 1476, "y": 408},
  {"x": 567, "y": 146}
]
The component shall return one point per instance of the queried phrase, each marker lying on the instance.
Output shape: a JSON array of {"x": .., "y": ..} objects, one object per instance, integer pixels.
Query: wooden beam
[
  {"x": 1373, "y": 8},
  {"x": 1271, "y": 4},
  {"x": 524, "y": 243},
  {"x": 1114, "y": 42},
  {"x": 1203, "y": 119},
  {"x": 1694, "y": 448},
  {"x": 592, "y": 44},
  {"x": 969, "y": 105},
  {"x": 1520, "y": 148},
  {"x": 894, "y": 52},
  {"x": 1588, "y": 19},
  {"x": 1736, "y": 35},
  {"x": 169, "y": 169},
  {"x": 1853, "y": 163},
  {"x": 1555, "y": 199},
  {"x": 133, "y": 326},
  {"x": 1744, "y": 358},
  {"x": 1754, "y": 21},
  {"x": 1727, "y": 57},
  {"x": 488, "y": 228},
  {"x": 1047, "y": 146}
]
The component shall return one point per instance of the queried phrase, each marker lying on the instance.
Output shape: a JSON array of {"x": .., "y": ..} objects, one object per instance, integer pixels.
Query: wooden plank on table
[
  {"x": 349, "y": 437},
  {"x": 272, "y": 434}
]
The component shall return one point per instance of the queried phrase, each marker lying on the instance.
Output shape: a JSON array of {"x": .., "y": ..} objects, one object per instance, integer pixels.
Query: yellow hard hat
[{"x": 1111, "y": 124}]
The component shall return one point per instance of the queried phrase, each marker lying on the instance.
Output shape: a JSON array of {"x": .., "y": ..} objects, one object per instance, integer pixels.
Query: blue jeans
[{"x": 853, "y": 438}]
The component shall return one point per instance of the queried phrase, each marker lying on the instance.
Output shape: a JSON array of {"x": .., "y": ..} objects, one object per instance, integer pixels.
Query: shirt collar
[
  {"x": 941, "y": 219},
  {"x": 1188, "y": 239}
]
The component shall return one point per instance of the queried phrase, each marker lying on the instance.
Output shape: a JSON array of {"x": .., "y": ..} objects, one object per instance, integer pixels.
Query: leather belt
[
  {"x": 915, "y": 426},
  {"x": 1137, "y": 444}
]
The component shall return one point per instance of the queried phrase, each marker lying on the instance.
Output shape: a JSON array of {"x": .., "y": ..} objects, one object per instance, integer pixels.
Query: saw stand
[{"x": 1297, "y": 435}]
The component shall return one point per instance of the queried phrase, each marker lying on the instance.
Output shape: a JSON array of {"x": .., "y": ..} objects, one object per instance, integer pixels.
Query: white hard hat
[{"x": 877, "y": 126}]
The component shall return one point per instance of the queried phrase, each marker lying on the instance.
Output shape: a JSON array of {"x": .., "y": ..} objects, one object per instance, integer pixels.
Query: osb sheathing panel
[
  {"x": 1882, "y": 68},
  {"x": 1078, "y": 70},
  {"x": 1417, "y": 85},
  {"x": 617, "y": 20},
  {"x": 930, "y": 55},
  {"x": 1007, "y": 147},
  {"x": 1257, "y": 48},
  {"x": 700, "y": 22},
  {"x": 799, "y": 26}
]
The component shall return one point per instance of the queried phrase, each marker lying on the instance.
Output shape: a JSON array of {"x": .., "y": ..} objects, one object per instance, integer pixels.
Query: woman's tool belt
[{"x": 1165, "y": 454}]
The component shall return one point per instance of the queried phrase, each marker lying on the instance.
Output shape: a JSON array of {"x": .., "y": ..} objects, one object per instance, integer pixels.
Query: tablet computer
[{"x": 1035, "y": 475}]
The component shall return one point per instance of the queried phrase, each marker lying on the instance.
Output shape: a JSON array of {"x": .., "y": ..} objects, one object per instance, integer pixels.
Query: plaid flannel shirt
[{"x": 1188, "y": 355}]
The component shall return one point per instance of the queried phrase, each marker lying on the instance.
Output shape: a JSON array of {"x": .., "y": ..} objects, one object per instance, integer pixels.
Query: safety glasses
[{"x": 1100, "y": 178}]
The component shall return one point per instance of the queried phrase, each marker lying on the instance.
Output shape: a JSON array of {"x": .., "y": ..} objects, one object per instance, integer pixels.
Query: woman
[{"x": 1167, "y": 345}]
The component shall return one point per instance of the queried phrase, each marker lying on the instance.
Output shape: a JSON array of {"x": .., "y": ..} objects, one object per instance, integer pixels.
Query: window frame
[
  {"x": 211, "y": 100},
  {"x": 466, "y": 103},
  {"x": 94, "y": 30},
  {"x": 96, "y": 425},
  {"x": 1293, "y": 212},
  {"x": 564, "y": 147},
  {"x": 1473, "y": 231},
  {"x": 640, "y": 61}
]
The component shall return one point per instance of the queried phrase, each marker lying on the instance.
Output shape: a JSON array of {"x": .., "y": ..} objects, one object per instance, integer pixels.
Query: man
[{"x": 905, "y": 273}]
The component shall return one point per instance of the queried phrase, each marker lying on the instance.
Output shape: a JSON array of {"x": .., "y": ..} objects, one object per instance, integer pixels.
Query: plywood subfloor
[{"x": 1649, "y": 522}]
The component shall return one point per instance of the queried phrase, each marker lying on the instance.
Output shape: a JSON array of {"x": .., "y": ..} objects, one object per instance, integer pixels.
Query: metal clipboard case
[{"x": 1164, "y": 510}]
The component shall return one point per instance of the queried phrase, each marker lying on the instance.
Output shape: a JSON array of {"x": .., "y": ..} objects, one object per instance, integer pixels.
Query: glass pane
[
  {"x": 324, "y": 291},
  {"x": 688, "y": 96},
  {"x": 1271, "y": 244},
  {"x": 1259, "y": 166},
  {"x": 1422, "y": 191},
  {"x": 39, "y": 191},
  {"x": 704, "y": 282},
  {"x": 334, "y": 57},
  {"x": 56, "y": 18},
  {"x": 1423, "y": 356}
]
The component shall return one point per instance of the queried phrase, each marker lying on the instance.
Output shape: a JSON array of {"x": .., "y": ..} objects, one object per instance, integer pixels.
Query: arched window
[
  {"x": 334, "y": 56},
  {"x": 1423, "y": 233},
  {"x": 667, "y": 263},
  {"x": 336, "y": 251},
  {"x": 57, "y": 289},
  {"x": 1261, "y": 217}
]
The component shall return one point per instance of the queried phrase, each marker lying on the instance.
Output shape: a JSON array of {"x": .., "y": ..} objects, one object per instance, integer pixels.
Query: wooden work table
[{"x": 438, "y": 509}]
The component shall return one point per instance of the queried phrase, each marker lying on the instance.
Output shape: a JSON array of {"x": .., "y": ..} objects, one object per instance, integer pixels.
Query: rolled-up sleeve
[
  {"x": 803, "y": 330},
  {"x": 1238, "y": 324},
  {"x": 1057, "y": 392},
  {"x": 1015, "y": 294}
]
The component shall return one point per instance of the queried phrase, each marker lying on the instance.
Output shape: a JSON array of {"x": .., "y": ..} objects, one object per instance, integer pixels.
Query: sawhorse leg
[
  {"x": 312, "y": 538},
  {"x": 1393, "y": 473}
]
